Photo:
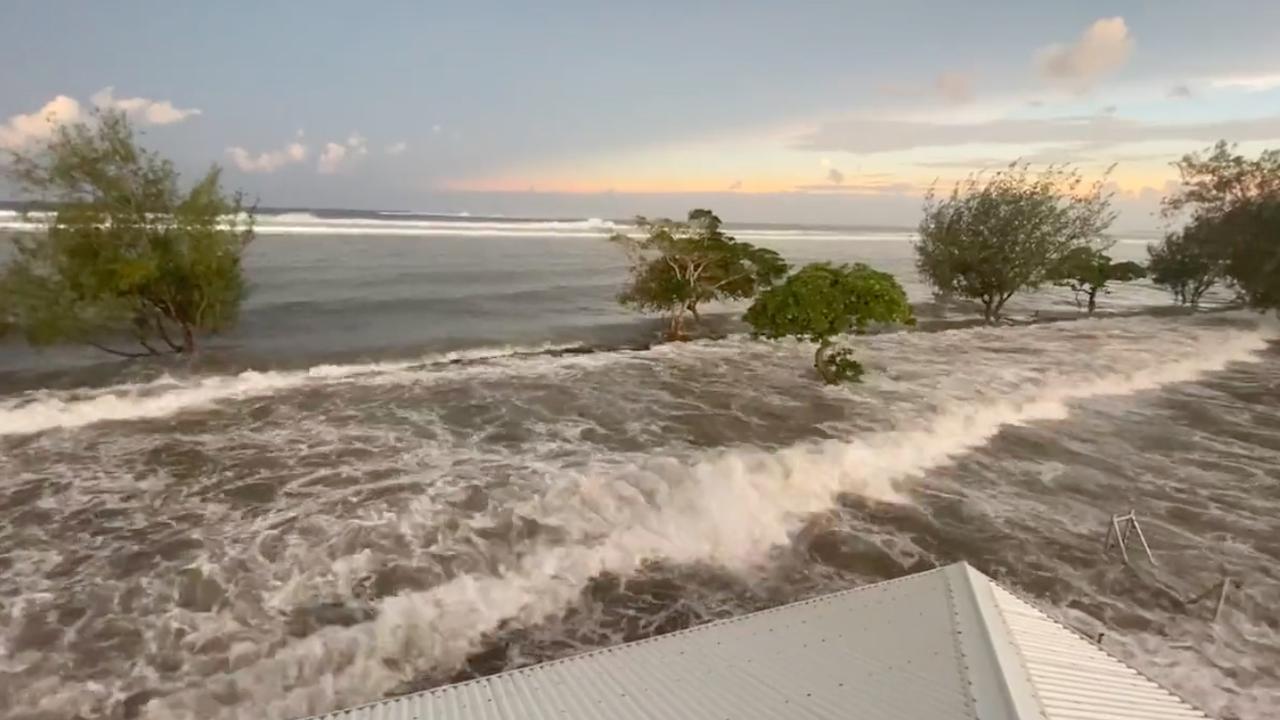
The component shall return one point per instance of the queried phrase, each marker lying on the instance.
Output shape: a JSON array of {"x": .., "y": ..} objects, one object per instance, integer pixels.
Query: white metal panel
[{"x": 1075, "y": 679}]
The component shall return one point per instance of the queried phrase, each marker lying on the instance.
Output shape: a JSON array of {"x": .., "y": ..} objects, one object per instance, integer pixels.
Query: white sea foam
[
  {"x": 46, "y": 410},
  {"x": 401, "y": 225},
  {"x": 728, "y": 507}
]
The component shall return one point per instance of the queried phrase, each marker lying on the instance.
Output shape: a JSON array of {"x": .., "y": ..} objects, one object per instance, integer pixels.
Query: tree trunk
[
  {"x": 995, "y": 306},
  {"x": 693, "y": 310},
  {"x": 675, "y": 327},
  {"x": 188, "y": 340},
  {"x": 819, "y": 361},
  {"x": 988, "y": 311},
  {"x": 1093, "y": 300}
]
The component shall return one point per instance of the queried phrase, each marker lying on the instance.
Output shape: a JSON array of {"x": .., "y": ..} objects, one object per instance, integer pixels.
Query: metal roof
[{"x": 946, "y": 643}]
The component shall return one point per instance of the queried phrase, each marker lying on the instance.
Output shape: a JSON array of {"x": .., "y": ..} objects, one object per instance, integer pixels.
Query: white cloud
[
  {"x": 1248, "y": 83},
  {"x": 1098, "y": 131},
  {"x": 868, "y": 187},
  {"x": 269, "y": 161},
  {"x": 436, "y": 129},
  {"x": 1102, "y": 49},
  {"x": 1180, "y": 92},
  {"x": 835, "y": 177},
  {"x": 142, "y": 110},
  {"x": 20, "y": 130},
  {"x": 954, "y": 87},
  {"x": 331, "y": 158},
  {"x": 397, "y": 148},
  {"x": 335, "y": 156}
]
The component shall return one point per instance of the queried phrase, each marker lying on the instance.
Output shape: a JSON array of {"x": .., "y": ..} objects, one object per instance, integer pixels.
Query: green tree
[
  {"x": 126, "y": 255},
  {"x": 1183, "y": 264},
  {"x": 821, "y": 301},
  {"x": 677, "y": 266},
  {"x": 1250, "y": 250},
  {"x": 995, "y": 235},
  {"x": 1231, "y": 208},
  {"x": 1087, "y": 271}
]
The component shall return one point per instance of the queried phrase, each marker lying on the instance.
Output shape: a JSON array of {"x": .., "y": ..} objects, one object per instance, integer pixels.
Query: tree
[
  {"x": 677, "y": 266},
  {"x": 822, "y": 301},
  {"x": 1250, "y": 242},
  {"x": 1231, "y": 207},
  {"x": 1181, "y": 262},
  {"x": 1087, "y": 271},
  {"x": 996, "y": 235},
  {"x": 126, "y": 254}
]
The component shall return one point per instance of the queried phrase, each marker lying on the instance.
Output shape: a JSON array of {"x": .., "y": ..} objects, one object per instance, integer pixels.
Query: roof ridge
[{"x": 997, "y": 674}]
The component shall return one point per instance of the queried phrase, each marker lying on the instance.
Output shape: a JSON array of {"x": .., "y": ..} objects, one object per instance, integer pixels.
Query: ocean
[{"x": 436, "y": 448}]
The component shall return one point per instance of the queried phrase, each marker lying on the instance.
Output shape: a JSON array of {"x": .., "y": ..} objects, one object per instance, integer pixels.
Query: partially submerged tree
[
  {"x": 1231, "y": 208},
  {"x": 677, "y": 266},
  {"x": 126, "y": 254},
  {"x": 1088, "y": 271},
  {"x": 998, "y": 234},
  {"x": 1182, "y": 263},
  {"x": 1250, "y": 242},
  {"x": 822, "y": 301}
]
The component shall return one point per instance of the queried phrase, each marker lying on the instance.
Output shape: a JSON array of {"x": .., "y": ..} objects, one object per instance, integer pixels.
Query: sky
[{"x": 822, "y": 112}]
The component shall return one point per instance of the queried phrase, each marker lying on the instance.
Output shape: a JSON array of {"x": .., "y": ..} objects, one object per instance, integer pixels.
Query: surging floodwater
[{"x": 280, "y": 532}]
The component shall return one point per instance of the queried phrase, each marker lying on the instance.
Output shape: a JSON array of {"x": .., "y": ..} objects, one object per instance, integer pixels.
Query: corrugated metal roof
[
  {"x": 1074, "y": 678},
  {"x": 947, "y": 643}
]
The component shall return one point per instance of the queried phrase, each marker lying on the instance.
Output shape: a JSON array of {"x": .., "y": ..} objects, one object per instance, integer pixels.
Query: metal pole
[
  {"x": 1128, "y": 526},
  {"x": 1143, "y": 538},
  {"x": 1222, "y": 598},
  {"x": 1120, "y": 537}
]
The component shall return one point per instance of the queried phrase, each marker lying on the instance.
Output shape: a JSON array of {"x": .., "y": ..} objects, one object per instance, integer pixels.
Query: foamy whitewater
[{"x": 283, "y": 530}]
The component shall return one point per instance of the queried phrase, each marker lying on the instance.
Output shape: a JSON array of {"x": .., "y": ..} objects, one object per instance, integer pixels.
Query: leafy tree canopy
[
  {"x": 1231, "y": 206},
  {"x": 1088, "y": 271},
  {"x": 997, "y": 234},
  {"x": 1184, "y": 264},
  {"x": 677, "y": 266},
  {"x": 126, "y": 255},
  {"x": 821, "y": 301}
]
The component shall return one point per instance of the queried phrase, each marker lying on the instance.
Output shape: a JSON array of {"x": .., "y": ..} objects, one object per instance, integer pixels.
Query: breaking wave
[{"x": 43, "y": 410}]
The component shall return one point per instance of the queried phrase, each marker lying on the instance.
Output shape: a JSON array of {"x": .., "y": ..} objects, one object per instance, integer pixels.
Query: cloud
[
  {"x": 954, "y": 87},
  {"x": 735, "y": 185},
  {"x": 142, "y": 110},
  {"x": 1102, "y": 49},
  {"x": 861, "y": 188},
  {"x": 269, "y": 161},
  {"x": 21, "y": 130},
  {"x": 335, "y": 156},
  {"x": 1248, "y": 83},
  {"x": 331, "y": 158},
  {"x": 835, "y": 177},
  {"x": 397, "y": 148},
  {"x": 866, "y": 136},
  {"x": 1180, "y": 92}
]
